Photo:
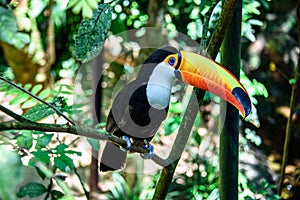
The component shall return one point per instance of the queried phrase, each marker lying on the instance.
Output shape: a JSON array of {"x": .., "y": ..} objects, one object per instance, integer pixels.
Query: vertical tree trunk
[
  {"x": 229, "y": 138},
  {"x": 97, "y": 76}
]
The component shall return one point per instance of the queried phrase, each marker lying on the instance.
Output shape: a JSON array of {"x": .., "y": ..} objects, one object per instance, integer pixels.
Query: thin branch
[
  {"x": 13, "y": 114},
  {"x": 167, "y": 172},
  {"x": 37, "y": 98},
  {"x": 219, "y": 32},
  {"x": 23, "y": 124},
  {"x": 82, "y": 184},
  {"x": 207, "y": 16},
  {"x": 288, "y": 131}
]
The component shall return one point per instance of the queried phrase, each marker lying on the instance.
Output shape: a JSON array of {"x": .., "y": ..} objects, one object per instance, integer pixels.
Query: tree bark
[{"x": 229, "y": 138}]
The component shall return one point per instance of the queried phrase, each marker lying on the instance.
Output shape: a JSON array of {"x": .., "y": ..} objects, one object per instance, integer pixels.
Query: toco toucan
[{"x": 141, "y": 106}]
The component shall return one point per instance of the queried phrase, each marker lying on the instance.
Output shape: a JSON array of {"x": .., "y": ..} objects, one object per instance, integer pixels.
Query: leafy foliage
[
  {"x": 92, "y": 33},
  {"x": 22, "y": 98},
  {"x": 9, "y": 30},
  {"x": 84, "y": 6},
  {"x": 32, "y": 190},
  {"x": 49, "y": 159},
  {"x": 123, "y": 191},
  {"x": 37, "y": 143}
]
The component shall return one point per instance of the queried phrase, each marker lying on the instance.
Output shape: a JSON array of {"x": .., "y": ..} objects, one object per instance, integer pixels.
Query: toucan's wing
[{"x": 132, "y": 115}]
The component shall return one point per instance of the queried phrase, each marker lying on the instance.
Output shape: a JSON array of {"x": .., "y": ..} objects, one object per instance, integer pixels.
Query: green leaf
[
  {"x": 292, "y": 81},
  {"x": 27, "y": 86},
  {"x": 73, "y": 152},
  {"x": 41, "y": 168},
  {"x": 176, "y": 108},
  {"x": 55, "y": 194},
  {"x": 19, "y": 99},
  {"x": 92, "y": 33},
  {"x": 36, "y": 88},
  {"x": 9, "y": 30},
  {"x": 14, "y": 91},
  {"x": 38, "y": 112},
  {"x": 64, "y": 163},
  {"x": 42, "y": 156},
  {"x": 4, "y": 87},
  {"x": 30, "y": 103},
  {"x": 87, "y": 11},
  {"x": 61, "y": 148},
  {"x": 171, "y": 124},
  {"x": 43, "y": 140},
  {"x": 40, "y": 173},
  {"x": 24, "y": 140},
  {"x": 45, "y": 93},
  {"x": 93, "y": 4},
  {"x": 32, "y": 190},
  {"x": 94, "y": 143},
  {"x": 77, "y": 7},
  {"x": 72, "y": 3}
]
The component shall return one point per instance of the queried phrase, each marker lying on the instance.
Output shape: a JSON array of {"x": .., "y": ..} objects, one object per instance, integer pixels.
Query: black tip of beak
[{"x": 243, "y": 98}]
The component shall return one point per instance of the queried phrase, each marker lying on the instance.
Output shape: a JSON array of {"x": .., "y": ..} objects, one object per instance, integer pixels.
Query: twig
[
  {"x": 221, "y": 27},
  {"x": 39, "y": 99},
  {"x": 288, "y": 129},
  {"x": 82, "y": 184},
  {"x": 23, "y": 124},
  {"x": 13, "y": 114},
  {"x": 207, "y": 16},
  {"x": 178, "y": 146}
]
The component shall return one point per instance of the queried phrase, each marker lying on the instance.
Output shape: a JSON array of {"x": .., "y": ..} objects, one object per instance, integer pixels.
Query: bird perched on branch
[{"x": 141, "y": 106}]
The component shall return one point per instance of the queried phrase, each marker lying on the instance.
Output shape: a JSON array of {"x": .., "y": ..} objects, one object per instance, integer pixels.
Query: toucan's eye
[{"x": 172, "y": 61}]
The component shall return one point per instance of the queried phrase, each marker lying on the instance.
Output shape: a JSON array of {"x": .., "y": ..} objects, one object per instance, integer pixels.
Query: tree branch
[
  {"x": 38, "y": 98},
  {"x": 229, "y": 137},
  {"x": 218, "y": 35},
  {"x": 21, "y": 123},
  {"x": 212, "y": 50},
  {"x": 288, "y": 130},
  {"x": 13, "y": 114}
]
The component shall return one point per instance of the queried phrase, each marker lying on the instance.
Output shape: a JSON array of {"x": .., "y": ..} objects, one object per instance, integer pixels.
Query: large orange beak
[{"x": 204, "y": 73}]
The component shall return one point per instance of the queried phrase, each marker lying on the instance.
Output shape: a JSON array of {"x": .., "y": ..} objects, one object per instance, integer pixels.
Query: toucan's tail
[{"x": 113, "y": 158}]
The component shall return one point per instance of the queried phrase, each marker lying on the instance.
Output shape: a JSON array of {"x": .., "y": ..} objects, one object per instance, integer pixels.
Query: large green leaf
[
  {"x": 42, "y": 156},
  {"x": 92, "y": 33},
  {"x": 64, "y": 163},
  {"x": 43, "y": 140},
  {"x": 9, "y": 30},
  {"x": 32, "y": 190},
  {"x": 24, "y": 140},
  {"x": 38, "y": 112},
  {"x": 55, "y": 194}
]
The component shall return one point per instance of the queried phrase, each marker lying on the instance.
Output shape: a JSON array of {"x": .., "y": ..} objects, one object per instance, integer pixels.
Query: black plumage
[{"x": 131, "y": 114}]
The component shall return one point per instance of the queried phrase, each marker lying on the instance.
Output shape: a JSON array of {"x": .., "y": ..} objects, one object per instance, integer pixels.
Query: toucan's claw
[
  {"x": 151, "y": 151},
  {"x": 127, "y": 139}
]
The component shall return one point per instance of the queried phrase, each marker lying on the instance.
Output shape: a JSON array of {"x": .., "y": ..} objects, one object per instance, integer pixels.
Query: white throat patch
[{"x": 159, "y": 86}]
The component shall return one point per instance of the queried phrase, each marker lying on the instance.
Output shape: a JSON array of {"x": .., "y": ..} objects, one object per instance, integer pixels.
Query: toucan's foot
[
  {"x": 151, "y": 151},
  {"x": 127, "y": 139}
]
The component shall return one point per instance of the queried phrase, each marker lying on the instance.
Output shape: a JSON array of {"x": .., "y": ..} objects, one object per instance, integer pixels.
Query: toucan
[{"x": 142, "y": 105}]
